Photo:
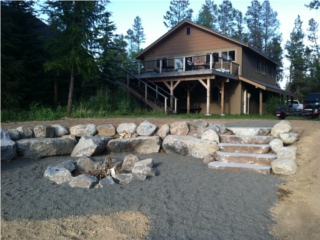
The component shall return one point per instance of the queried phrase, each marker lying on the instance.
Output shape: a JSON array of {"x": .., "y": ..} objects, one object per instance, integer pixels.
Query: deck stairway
[
  {"x": 249, "y": 151},
  {"x": 148, "y": 92}
]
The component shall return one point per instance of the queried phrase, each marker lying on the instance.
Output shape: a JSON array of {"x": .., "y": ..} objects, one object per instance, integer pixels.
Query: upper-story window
[
  {"x": 188, "y": 31},
  {"x": 164, "y": 62},
  {"x": 229, "y": 56}
]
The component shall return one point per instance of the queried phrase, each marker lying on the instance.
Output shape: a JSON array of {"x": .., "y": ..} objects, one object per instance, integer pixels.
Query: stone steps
[
  {"x": 245, "y": 139},
  {"x": 244, "y": 148},
  {"x": 250, "y": 158},
  {"x": 240, "y": 167}
]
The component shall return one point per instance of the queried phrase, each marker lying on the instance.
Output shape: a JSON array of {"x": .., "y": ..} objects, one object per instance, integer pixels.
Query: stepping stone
[
  {"x": 261, "y": 159},
  {"x": 240, "y": 167},
  {"x": 250, "y": 131},
  {"x": 246, "y": 139},
  {"x": 244, "y": 148}
]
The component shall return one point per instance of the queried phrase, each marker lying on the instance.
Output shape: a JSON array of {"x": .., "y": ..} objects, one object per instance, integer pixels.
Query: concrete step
[
  {"x": 240, "y": 167},
  {"x": 261, "y": 159},
  {"x": 244, "y": 148},
  {"x": 245, "y": 139},
  {"x": 250, "y": 131}
]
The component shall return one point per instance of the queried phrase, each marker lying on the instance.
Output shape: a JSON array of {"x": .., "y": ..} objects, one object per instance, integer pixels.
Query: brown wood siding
[
  {"x": 249, "y": 66},
  {"x": 198, "y": 42}
]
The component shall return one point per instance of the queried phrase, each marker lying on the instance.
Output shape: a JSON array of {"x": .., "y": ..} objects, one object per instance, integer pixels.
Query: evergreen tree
[
  {"x": 313, "y": 57},
  {"x": 313, "y": 37},
  {"x": 131, "y": 41},
  {"x": 275, "y": 53},
  {"x": 139, "y": 35},
  {"x": 178, "y": 11},
  {"x": 22, "y": 56},
  {"x": 296, "y": 55},
  {"x": 226, "y": 18},
  {"x": 254, "y": 25},
  {"x": 82, "y": 30},
  {"x": 207, "y": 15},
  {"x": 239, "y": 33},
  {"x": 314, "y": 4},
  {"x": 270, "y": 25}
]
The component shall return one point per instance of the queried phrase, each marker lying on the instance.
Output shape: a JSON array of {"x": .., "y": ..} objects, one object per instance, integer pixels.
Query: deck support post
[
  {"x": 207, "y": 86},
  {"x": 171, "y": 87},
  {"x": 189, "y": 89},
  {"x": 222, "y": 98}
]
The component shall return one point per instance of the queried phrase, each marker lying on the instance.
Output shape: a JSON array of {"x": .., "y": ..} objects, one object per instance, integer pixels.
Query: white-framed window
[
  {"x": 164, "y": 62},
  {"x": 228, "y": 56}
]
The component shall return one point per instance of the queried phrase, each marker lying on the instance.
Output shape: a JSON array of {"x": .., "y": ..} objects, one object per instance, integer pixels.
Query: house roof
[
  {"x": 265, "y": 86},
  {"x": 187, "y": 22}
]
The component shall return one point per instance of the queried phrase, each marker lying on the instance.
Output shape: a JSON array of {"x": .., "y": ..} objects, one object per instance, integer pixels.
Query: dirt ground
[{"x": 296, "y": 213}]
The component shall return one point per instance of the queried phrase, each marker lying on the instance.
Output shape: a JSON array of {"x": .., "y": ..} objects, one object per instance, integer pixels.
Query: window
[
  {"x": 188, "y": 31},
  {"x": 261, "y": 67},
  {"x": 229, "y": 56},
  {"x": 215, "y": 57},
  {"x": 164, "y": 62}
]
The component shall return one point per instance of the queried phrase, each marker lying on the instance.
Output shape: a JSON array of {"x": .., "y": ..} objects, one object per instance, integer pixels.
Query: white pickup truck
[{"x": 296, "y": 105}]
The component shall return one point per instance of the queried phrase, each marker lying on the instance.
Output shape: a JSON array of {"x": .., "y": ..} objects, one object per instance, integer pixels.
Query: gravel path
[{"x": 186, "y": 200}]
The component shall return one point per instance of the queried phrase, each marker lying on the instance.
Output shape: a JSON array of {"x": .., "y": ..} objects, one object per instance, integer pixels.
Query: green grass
[{"x": 40, "y": 113}]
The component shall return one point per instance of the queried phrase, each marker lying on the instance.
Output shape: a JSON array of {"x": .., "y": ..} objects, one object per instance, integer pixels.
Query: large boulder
[
  {"x": 187, "y": 145},
  {"x": 84, "y": 181},
  {"x": 58, "y": 175},
  {"x": 83, "y": 130},
  {"x": 163, "y": 131},
  {"x": 146, "y": 128},
  {"x": 179, "y": 128},
  {"x": 44, "y": 147},
  {"x": 287, "y": 153},
  {"x": 128, "y": 162},
  {"x": 85, "y": 165},
  {"x": 41, "y": 131},
  {"x": 143, "y": 145},
  {"x": 281, "y": 127},
  {"x": 284, "y": 166},
  {"x": 25, "y": 132},
  {"x": 59, "y": 130},
  {"x": 107, "y": 130},
  {"x": 8, "y": 147},
  {"x": 276, "y": 144},
  {"x": 250, "y": 131},
  {"x": 289, "y": 137},
  {"x": 210, "y": 135},
  {"x": 14, "y": 134},
  {"x": 90, "y": 146},
  {"x": 127, "y": 127}
]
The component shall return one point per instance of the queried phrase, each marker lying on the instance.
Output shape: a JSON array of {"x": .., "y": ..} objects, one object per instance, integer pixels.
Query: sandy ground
[{"x": 296, "y": 214}]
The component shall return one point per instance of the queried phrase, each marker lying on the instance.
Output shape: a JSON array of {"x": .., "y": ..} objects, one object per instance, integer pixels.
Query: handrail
[
  {"x": 178, "y": 64},
  {"x": 152, "y": 88}
]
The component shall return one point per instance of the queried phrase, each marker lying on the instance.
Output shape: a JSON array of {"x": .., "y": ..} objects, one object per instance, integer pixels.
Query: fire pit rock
[{"x": 88, "y": 173}]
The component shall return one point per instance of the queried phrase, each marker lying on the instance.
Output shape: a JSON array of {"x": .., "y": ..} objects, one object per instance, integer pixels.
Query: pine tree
[
  {"x": 296, "y": 55},
  {"x": 254, "y": 24},
  {"x": 270, "y": 25},
  {"x": 82, "y": 31},
  {"x": 22, "y": 56},
  {"x": 313, "y": 37},
  {"x": 313, "y": 76},
  {"x": 239, "y": 32},
  {"x": 226, "y": 18},
  {"x": 314, "y": 4},
  {"x": 178, "y": 11},
  {"x": 139, "y": 36},
  {"x": 207, "y": 15}
]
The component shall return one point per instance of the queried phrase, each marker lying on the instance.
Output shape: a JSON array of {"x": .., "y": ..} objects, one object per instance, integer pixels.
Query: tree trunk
[{"x": 69, "y": 109}]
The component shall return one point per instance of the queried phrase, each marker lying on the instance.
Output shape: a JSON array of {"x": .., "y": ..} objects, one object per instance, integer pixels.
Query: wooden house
[{"x": 207, "y": 72}]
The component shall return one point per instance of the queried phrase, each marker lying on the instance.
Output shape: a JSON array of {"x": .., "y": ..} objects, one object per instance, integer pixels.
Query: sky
[{"x": 151, "y": 13}]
